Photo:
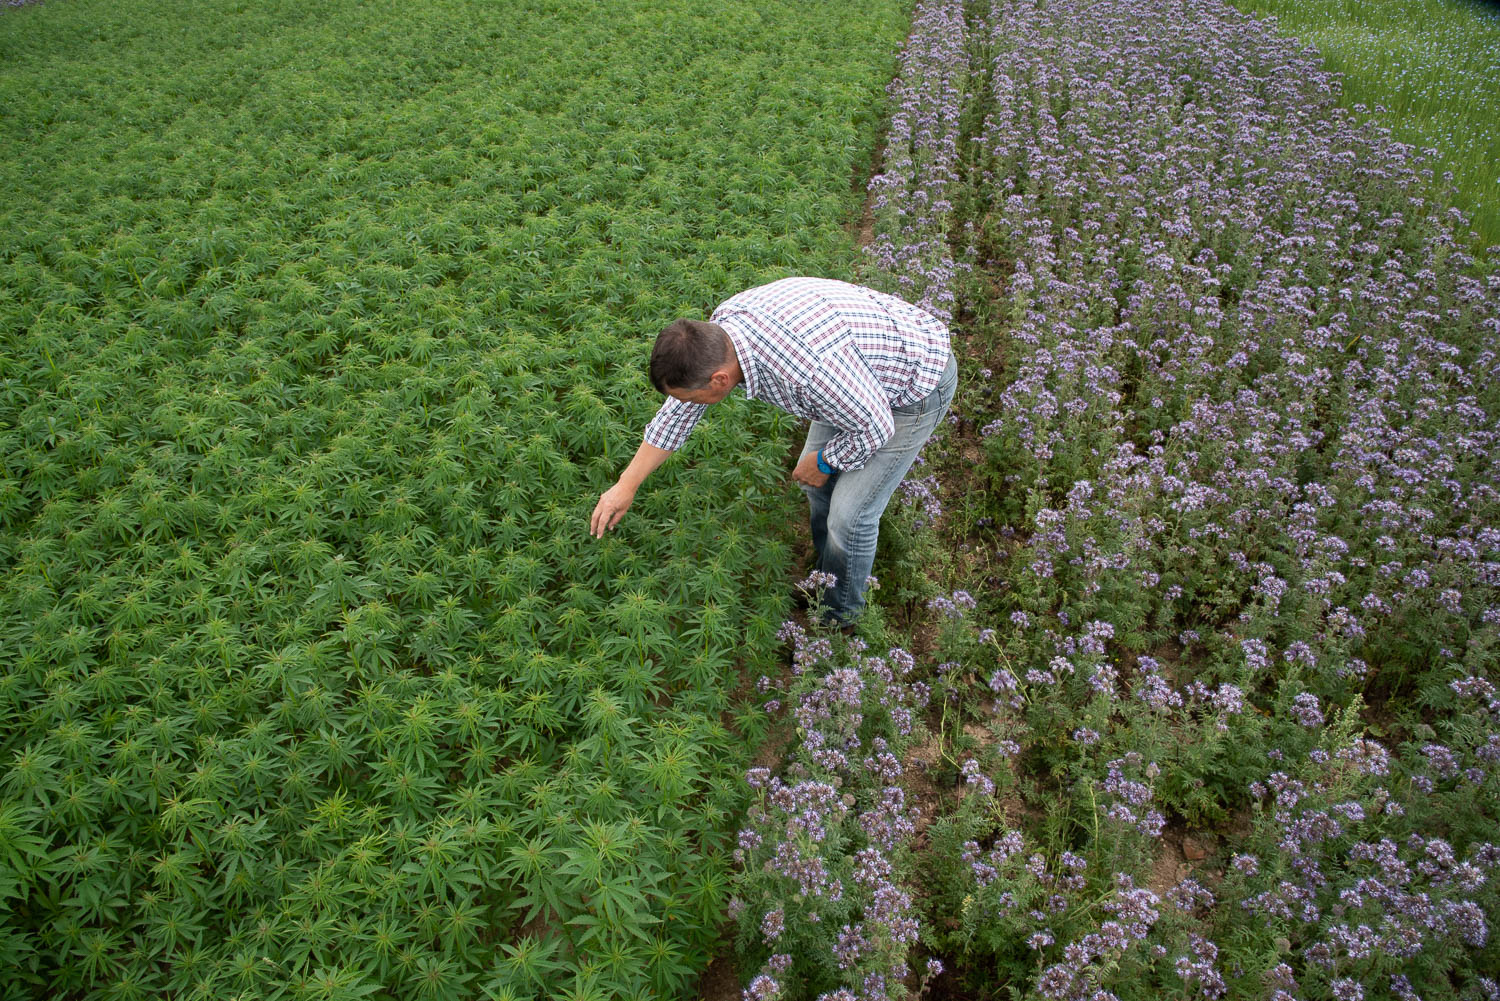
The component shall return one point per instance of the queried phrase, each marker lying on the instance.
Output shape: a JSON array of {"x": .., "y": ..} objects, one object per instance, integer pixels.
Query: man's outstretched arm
[{"x": 615, "y": 501}]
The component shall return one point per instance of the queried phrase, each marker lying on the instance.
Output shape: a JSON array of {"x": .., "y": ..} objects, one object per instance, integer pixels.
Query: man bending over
[{"x": 874, "y": 375}]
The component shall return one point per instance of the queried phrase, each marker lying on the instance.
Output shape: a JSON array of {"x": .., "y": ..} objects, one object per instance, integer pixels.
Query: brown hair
[{"x": 687, "y": 352}]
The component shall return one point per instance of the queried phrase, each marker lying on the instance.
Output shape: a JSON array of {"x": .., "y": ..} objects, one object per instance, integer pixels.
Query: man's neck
[{"x": 736, "y": 372}]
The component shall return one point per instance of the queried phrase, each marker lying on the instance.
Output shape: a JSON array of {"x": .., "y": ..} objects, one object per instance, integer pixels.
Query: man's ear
[{"x": 719, "y": 379}]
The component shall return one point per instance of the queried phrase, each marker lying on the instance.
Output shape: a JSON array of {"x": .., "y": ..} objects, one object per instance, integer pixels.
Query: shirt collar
[{"x": 743, "y": 351}]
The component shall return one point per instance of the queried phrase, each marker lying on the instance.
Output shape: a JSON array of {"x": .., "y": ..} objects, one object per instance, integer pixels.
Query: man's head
[{"x": 694, "y": 361}]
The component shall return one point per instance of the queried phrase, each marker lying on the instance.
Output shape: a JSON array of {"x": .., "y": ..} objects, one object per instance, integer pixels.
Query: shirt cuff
[{"x": 847, "y": 453}]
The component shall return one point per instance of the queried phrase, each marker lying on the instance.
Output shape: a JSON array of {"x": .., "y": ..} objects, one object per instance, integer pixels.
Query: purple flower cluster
[
  {"x": 1132, "y": 798},
  {"x": 817, "y": 856},
  {"x": 986, "y": 869},
  {"x": 1089, "y": 961},
  {"x": 954, "y": 606},
  {"x": 922, "y": 493},
  {"x": 974, "y": 776},
  {"x": 1198, "y": 967},
  {"x": 1306, "y": 710},
  {"x": 1153, "y": 689},
  {"x": 818, "y": 581},
  {"x": 1221, "y": 703}
]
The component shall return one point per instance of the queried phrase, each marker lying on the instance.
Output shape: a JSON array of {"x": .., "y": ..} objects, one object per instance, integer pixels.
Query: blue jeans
[{"x": 845, "y": 512}]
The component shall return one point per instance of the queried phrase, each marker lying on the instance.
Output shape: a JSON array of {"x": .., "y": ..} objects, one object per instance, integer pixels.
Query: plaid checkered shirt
[{"x": 828, "y": 351}]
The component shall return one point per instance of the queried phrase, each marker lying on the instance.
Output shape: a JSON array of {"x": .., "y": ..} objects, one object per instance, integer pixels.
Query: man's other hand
[
  {"x": 807, "y": 471},
  {"x": 613, "y": 504}
]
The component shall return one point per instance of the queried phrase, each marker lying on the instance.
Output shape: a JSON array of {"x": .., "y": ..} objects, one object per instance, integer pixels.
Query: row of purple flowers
[
  {"x": 911, "y": 197},
  {"x": 820, "y": 897}
]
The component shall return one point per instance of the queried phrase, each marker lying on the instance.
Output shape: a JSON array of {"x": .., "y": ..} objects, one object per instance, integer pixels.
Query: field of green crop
[{"x": 322, "y": 325}]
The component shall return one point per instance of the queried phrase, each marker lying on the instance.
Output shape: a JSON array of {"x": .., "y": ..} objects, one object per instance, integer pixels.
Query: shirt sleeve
[
  {"x": 853, "y": 401},
  {"x": 673, "y": 422}
]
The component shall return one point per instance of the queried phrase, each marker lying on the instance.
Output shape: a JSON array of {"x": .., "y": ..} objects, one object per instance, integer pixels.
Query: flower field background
[
  {"x": 1204, "y": 701},
  {"x": 324, "y": 325},
  {"x": 1429, "y": 66}
]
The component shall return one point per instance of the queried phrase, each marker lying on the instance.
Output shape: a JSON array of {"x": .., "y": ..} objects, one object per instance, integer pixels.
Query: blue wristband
[{"x": 824, "y": 467}]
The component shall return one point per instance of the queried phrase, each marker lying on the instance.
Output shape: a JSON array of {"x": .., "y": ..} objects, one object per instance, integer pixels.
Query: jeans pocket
[
  {"x": 912, "y": 429},
  {"x": 914, "y": 409}
]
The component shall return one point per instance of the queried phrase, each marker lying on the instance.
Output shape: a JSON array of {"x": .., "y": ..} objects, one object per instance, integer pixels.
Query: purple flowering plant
[
  {"x": 912, "y": 197},
  {"x": 821, "y": 897},
  {"x": 1355, "y": 871}
]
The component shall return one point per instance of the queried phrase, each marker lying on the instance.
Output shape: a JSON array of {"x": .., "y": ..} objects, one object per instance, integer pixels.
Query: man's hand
[
  {"x": 613, "y": 504},
  {"x": 807, "y": 471}
]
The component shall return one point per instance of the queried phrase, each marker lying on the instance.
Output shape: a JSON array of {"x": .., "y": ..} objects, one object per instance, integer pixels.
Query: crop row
[
  {"x": 820, "y": 905},
  {"x": 911, "y": 198}
]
